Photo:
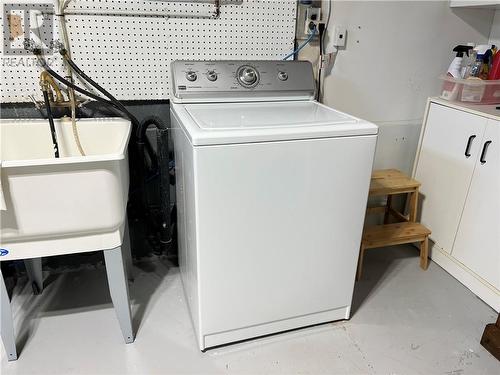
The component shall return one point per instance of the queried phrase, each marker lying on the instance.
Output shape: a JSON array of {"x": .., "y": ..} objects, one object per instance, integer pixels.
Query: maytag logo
[{"x": 3, "y": 252}]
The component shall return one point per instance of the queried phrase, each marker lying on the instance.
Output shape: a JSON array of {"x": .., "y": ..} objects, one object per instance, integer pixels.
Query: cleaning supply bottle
[
  {"x": 468, "y": 61},
  {"x": 456, "y": 64},
  {"x": 485, "y": 67},
  {"x": 495, "y": 67},
  {"x": 478, "y": 64},
  {"x": 450, "y": 88}
]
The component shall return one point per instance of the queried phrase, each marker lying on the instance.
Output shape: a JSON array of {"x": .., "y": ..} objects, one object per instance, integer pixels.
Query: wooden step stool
[{"x": 389, "y": 182}]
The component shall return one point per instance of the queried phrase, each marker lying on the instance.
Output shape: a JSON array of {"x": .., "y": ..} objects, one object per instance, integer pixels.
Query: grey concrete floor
[{"x": 405, "y": 321}]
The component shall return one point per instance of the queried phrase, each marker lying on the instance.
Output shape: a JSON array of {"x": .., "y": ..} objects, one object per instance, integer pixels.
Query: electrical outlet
[
  {"x": 339, "y": 36},
  {"x": 312, "y": 17}
]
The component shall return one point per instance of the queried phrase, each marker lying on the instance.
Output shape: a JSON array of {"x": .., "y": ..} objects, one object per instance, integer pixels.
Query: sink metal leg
[
  {"x": 35, "y": 274},
  {"x": 118, "y": 288},
  {"x": 6, "y": 322},
  {"x": 127, "y": 252}
]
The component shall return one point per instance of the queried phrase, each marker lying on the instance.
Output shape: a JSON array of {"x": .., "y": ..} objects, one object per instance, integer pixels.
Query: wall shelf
[{"x": 475, "y": 4}]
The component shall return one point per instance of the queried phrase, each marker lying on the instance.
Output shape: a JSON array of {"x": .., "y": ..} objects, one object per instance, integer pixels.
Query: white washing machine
[{"x": 271, "y": 195}]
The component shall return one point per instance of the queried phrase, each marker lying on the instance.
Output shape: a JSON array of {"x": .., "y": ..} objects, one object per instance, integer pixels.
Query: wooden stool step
[
  {"x": 395, "y": 234},
  {"x": 391, "y": 181}
]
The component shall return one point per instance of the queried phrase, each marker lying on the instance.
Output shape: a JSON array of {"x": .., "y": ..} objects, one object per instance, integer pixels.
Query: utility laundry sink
[{"x": 67, "y": 205}]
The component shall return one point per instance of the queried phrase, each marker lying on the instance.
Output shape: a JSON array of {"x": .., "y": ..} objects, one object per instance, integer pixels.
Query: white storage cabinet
[{"x": 458, "y": 164}]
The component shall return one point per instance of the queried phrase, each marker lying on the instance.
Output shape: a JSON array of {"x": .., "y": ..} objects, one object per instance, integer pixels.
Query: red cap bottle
[{"x": 495, "y": 67}]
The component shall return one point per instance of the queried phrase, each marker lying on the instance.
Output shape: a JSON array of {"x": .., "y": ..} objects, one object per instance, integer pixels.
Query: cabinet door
[
  {"x": 445, "y": 171},
  {"x": 477, "y": 245}
]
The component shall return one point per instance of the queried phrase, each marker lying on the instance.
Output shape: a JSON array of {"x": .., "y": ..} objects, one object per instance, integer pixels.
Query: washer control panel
[{"x": 208, "y": 81}]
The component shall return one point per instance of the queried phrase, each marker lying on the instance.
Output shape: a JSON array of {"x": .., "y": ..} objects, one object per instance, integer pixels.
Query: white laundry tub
[{"x": 66, "y": 205}]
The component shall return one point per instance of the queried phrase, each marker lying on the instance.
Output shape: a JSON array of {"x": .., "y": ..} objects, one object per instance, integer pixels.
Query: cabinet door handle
[
  {"x": 469, "y": 145},
  {"x": 485, "y": 150}
]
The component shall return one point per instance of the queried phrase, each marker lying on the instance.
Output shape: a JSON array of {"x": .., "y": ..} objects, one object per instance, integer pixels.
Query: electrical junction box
[{"x": 312, "y": 16}]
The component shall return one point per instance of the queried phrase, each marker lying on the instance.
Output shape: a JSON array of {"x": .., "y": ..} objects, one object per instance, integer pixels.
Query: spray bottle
[
  {"x": 468, "y": 61},
  {"x": 450, "y": 88},
  {"x": 456, "y": 65}
]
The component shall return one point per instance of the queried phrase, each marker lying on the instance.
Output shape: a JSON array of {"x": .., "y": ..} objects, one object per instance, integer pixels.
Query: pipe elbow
[{"x": 47, "y": 82}]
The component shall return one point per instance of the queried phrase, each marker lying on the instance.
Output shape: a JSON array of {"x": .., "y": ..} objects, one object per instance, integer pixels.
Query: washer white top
[{"x": 231, "y": 123}]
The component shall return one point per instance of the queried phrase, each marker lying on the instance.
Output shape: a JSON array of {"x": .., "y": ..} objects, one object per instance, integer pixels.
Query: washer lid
[{"x": 225, "y": 123}]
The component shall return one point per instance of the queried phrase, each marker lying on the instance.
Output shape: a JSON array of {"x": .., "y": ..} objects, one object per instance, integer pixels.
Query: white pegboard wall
[
  {"x": 199, "y": 8},
  {"x": 130, "y": 55}
]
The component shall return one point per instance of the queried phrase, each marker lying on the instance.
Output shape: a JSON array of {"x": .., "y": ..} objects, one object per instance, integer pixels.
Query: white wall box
[{"x": 458, "y": 164}]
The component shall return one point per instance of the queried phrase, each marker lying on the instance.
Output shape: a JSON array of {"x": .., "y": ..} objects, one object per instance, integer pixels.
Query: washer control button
[
  {"x": 282, "y": 76},
  {"x": 191, "y": 76},
  {"x": 212, "y": 76},
  {"x": 248, "y": 76}
]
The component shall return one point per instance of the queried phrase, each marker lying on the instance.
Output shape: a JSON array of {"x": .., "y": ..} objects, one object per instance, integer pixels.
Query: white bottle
[
  {"x": 450, "y": 87},
  {"x": 455, "y": 67},
  {"x": 468, "y": 61}
]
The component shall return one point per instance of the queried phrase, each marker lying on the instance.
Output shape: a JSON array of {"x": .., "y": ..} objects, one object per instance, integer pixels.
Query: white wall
[{"x": 395, "y": 51}]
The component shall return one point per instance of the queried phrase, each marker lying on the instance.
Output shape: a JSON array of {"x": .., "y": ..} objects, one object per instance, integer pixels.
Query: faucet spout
[{"x": 49, "y": 85}]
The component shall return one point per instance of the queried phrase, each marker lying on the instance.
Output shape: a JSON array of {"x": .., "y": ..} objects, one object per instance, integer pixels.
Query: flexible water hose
[
  {"x": 135, "y": 123},
  {"x": 76, "y": 136},
  {"x": 139, "y": 127},
  {"x": 51, "y": 123},
  {"x": 299, "y": 48},
  {"x": 71, "y": 92},
  {"x": 106, "y": 93}
]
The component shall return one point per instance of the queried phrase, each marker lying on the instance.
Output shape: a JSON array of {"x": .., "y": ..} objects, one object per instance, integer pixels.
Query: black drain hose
[
  {"x": 117, "y": 105},
  {"x": 163, "y": 162},
  {"x": 139, "y": 128},
  {"x": 51, "y": 123},
  {"x": 113, "y": 100}
]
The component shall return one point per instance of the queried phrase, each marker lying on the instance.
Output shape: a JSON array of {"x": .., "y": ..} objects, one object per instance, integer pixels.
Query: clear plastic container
[{"x": 471, "y": 90}]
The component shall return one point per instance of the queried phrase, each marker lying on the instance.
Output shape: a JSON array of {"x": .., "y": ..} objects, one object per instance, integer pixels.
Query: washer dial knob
[
  {"x": 282, "y": 76},
  {"x": 211, "y": 75},
  {"x": 191, "y": 76},
  {"x": 247, "y": 76}
]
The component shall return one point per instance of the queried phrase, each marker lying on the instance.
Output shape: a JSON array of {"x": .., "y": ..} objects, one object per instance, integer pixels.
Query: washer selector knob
[
  {"x": 212, "y": 76},
  {"x": 191, "y": 76},
  {"x": 282, "y": 76},
  {"x": 248, "y": 76}
]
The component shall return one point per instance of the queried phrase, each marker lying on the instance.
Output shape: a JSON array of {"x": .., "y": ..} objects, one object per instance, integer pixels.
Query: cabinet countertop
[{"x": 486, "y": 110}]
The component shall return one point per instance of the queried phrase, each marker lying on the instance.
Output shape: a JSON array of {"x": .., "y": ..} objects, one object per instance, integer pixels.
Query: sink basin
[{"x": 66, "y": 205}]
